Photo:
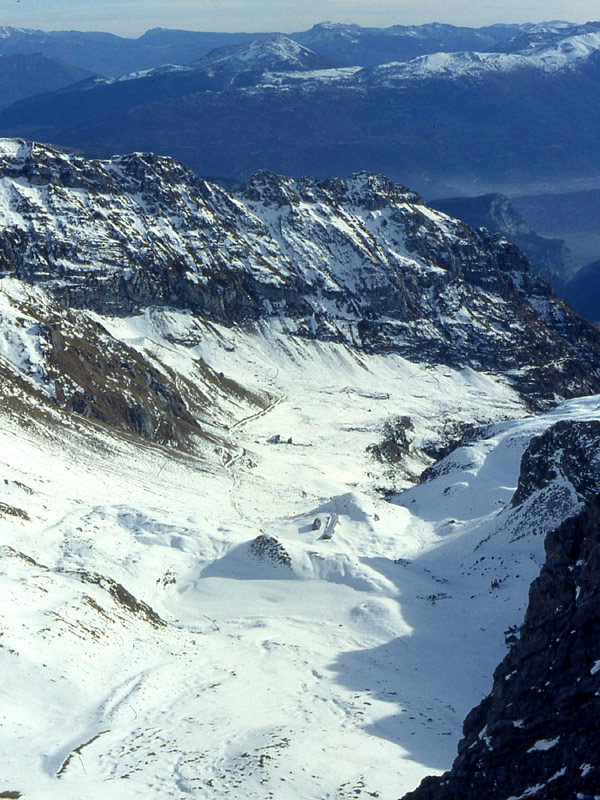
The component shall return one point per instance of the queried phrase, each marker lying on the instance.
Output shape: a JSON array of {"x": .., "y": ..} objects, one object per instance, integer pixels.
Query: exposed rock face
[
  {"x": 361, "y": 260},
  {"x": 550, "y": 258},
  {"x": 567, "y": 454},
  {"x": 396, "y": 443},
  {"x": 538, "y": 733},
  {"x": 269, "y": 550},
  {"x": 54, "y": 358},
  {"x": 559, "y": 473}
]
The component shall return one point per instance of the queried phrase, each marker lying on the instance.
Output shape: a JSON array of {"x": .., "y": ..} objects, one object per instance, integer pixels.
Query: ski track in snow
[{"x": 344, "y": 672}]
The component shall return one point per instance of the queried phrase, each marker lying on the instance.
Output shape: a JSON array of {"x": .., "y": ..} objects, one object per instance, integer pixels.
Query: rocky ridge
[
  {"x": 567, "y": 454},
  {"x": 361, "y": 261}
]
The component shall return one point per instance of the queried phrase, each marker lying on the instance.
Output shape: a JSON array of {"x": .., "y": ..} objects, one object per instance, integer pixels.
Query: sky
[{"x": 133, "y": 17}]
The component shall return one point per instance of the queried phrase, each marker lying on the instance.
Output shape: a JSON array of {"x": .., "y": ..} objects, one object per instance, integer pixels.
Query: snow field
[{"x": 342, "y": 670}]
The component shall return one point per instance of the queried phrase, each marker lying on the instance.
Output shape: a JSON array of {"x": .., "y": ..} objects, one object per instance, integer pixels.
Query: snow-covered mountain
[
  {"x": 111, "y": 56},
  {"x": 534, "y": 38},
  {"x": 246, "y": 64},
  {"x": 240, "y": 64},
  {"x": 558, "y": 54},
  {"x": 267, "y": 457},
  {"x": 361, "y": 261},
  {"x": 275, "y": 53},
  {"x": 448, "y": 123}
]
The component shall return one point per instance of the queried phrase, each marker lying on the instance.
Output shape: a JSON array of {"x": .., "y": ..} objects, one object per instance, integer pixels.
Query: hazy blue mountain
[
  {"x": 582, "y": 292},
  {"x": 550, "y": 258},
  {"x": 572, "y": 216},
  {"x": 352, "y": 44},
  {"x": 97, "y": 52},
  {"x": 112, "y": 55},
  {"x": 447, "y": 123},
  {"x": 27, "y": 75}
]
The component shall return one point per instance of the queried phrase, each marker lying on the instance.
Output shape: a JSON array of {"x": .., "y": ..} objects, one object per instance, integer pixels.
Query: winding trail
[
  {"x": 263, "y": 412},
  {"x": 229, "y": 460}
]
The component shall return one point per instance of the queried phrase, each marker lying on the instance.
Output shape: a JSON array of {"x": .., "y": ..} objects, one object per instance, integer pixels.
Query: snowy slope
[
  {"x": 269, "y": 660},
  {"x": 274, "y": 52},
  {"x": 565, "y": 54}
]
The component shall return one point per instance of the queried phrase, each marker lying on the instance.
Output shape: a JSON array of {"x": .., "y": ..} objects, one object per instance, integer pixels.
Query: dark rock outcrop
[
  {"x": 269, "y": 550},
  {"x": 396, "y": 442},
  {"x": 537, "y": 734},
  {"x": 567, "y": 454}
]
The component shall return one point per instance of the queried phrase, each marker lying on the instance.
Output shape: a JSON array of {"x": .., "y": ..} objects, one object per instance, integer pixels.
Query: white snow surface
[
  {"x": 543, "y": 744},
  {"x": 334, "y": 75},
  {"x": 564, "y": 54},
  {"x": 344, "y": 671},
  {"x": 145, "y": 73},
  {"x": 543, "y": 55}
]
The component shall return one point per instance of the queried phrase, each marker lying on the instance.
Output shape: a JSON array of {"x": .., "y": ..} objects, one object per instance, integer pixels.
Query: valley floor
[{"x": 178, "y": 625}]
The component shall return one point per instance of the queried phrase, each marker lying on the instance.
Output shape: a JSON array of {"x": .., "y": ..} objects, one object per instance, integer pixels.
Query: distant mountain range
[
  {"x": 447, "y": 123},
  {"x": 25, "y": 75},
  {"x": 111, "y": 56}
]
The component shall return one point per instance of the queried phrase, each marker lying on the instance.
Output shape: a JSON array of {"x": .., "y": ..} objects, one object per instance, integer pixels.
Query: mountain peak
[{"x": 276, "y": 52}]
